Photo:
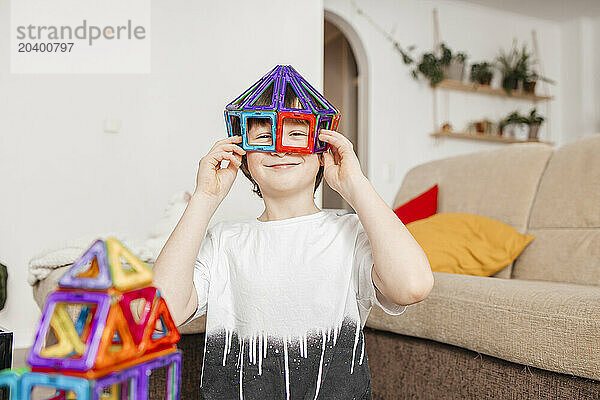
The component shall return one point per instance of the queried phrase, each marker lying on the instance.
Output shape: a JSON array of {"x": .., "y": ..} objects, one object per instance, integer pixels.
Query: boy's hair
[{"x": 290, "y": 101}]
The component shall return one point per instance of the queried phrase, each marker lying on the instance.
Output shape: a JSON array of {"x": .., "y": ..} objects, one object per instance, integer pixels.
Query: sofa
[{"x": 530, "y": 331}]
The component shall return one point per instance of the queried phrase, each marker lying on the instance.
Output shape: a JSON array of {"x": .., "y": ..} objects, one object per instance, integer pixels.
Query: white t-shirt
[{"x": 293, "y": 283}]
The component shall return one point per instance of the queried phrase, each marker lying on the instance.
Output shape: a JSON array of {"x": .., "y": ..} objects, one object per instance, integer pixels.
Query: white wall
[
  {"x": 401, "y": 110},
  {"x": 62, "y": 177},
  {"x": 581, "y": 59}
]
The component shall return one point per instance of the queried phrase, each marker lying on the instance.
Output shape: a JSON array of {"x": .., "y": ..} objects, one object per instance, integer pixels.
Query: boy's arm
[
  {"x": 173, "y": 270},
  {"x": 401, "y": 268},
  {"x": 174, "y": 267}
]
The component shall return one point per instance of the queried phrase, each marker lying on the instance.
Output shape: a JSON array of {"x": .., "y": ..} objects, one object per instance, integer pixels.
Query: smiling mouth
[{"x": 285, "y": 165}]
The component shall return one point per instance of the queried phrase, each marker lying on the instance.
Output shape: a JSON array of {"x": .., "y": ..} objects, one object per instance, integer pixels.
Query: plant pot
[
  {"x": 533, "y": 131},
  {"x": 454, "y": 71},
  {"x": 510, "y": 83},
  {"x": 517, "y": 131},
  {"x": 486, "y": 80},
  {"x": 479, "y": 127},
  {"x": 529, "y": 86}
]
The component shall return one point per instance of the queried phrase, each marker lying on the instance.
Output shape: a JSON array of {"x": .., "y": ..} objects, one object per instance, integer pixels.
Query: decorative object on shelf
[
  {"x": 434, "y": 68},
  {"x": 522, "y": 127},
  {"x": 534, "y": 121},
  {"x": 515, "y": 128},
  {"x": 520, "y": 69},
  {"x": 482, "y": 73},
  {"x": 489, "y": 90},
  {"x": 517, "y": 69},
  {"x": 483, "y": 127},
  {"x": 453, "y": 65},
  {"x": 514, "y": 125},
  {"x": 513, "y": 66},
  {"x": 487, "y": 138}
]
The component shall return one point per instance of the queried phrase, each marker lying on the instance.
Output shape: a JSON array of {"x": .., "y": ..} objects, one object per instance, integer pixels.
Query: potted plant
[
  {"x": 436, "y": 68},
  {"x": 530, "y": 82},
  {"x": 534, "y": 120},
  {"x": 531, "y": 78},
  {"x": 514, "y": 65},
  {"x": 431, "y": 68},
  {"x": 481, "y": 73},
  {"x": 453, "y": 65},
  {"x": 515, "y": 125}
]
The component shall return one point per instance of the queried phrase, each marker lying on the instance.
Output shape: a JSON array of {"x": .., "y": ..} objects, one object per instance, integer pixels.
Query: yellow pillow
[{"x": 468, "y": 244}]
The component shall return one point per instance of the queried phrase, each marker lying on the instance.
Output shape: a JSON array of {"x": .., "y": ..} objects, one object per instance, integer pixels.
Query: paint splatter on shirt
[{"x": 286, "y": 303}]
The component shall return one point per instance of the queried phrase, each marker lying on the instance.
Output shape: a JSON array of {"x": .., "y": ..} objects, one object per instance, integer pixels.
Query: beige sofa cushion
[
  {"x": 566, "y": 218},
  {"x": 553, "y": 326},
  {"x": 499, "y": 183},
  {"x": 43, "y": 288}
]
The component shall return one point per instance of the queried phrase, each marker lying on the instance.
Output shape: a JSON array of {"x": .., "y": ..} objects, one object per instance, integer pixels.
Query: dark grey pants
[{"x": 344, "y": 368}]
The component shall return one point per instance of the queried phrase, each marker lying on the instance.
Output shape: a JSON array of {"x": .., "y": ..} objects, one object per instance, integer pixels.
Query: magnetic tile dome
[{"x": 289, "y": 110}]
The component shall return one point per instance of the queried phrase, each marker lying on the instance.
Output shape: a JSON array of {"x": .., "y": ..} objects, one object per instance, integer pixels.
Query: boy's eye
[{"x": 298, "y": 133}]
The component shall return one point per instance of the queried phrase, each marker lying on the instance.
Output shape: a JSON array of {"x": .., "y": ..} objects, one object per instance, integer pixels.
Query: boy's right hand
[{"x": 213, "y": 181}]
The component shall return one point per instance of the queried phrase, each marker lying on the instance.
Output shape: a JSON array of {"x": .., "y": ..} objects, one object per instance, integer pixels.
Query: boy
[{"x": 287, "y": 294}]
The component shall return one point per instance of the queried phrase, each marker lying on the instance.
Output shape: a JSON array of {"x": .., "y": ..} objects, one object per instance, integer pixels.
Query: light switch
[{"x": 112, "y": 125}]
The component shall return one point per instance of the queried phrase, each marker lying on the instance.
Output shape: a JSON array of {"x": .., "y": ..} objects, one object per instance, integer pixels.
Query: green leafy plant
[
  {"x": 531, "y": 78},
  {"x": 431, "y": 66},
  {"x": 534, "y": 118},
  {"x": 516, "y": 66},
  {"x": 515, "y": 118},
  {"x": 482, "y": 73},
  {"x": 447, "y": 56}
]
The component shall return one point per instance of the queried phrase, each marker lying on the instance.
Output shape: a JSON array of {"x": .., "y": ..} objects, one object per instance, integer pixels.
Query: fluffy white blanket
[{"x": 146, "y": 248}]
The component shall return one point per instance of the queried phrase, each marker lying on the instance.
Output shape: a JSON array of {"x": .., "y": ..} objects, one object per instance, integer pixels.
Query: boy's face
[{"x": 282, "y": 172}]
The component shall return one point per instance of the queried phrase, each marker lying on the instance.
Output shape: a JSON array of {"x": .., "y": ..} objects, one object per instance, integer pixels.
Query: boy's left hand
[{"x": 342, "y": 168}]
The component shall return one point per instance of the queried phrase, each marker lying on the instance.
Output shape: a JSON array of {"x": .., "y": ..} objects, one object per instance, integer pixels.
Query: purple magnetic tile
[
  {"x": 86, "y": 361},
  {"x": 172, "y": 360},
  {"x": 102, "y": 281},
  {"x": 321, "y": 118},
  {"x": 123, "y": 376},
  {"x": 288, "y": 80},
  {"x": 229, "y": 127}
]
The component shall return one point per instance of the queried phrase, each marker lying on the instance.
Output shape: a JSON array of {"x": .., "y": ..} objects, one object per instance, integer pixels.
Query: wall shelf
[
  {"x": 485, "y": 137},
  {"x": 450, "y": 84}
]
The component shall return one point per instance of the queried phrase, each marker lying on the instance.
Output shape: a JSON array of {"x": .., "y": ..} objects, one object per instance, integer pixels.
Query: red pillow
[{"x": 422, "y": 206}]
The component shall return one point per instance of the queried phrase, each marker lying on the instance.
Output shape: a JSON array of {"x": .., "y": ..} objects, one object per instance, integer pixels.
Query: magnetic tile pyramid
[
  {"x": 281, "y": 94},
  {"x": 102, "y": 332}
]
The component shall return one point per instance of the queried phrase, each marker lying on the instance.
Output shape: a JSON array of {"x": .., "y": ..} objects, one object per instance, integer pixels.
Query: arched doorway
[{"x": 345, "y": 84}]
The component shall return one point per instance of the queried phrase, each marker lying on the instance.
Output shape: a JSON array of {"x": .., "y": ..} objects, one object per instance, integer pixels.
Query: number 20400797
[{"x": 43, "y": 47}]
